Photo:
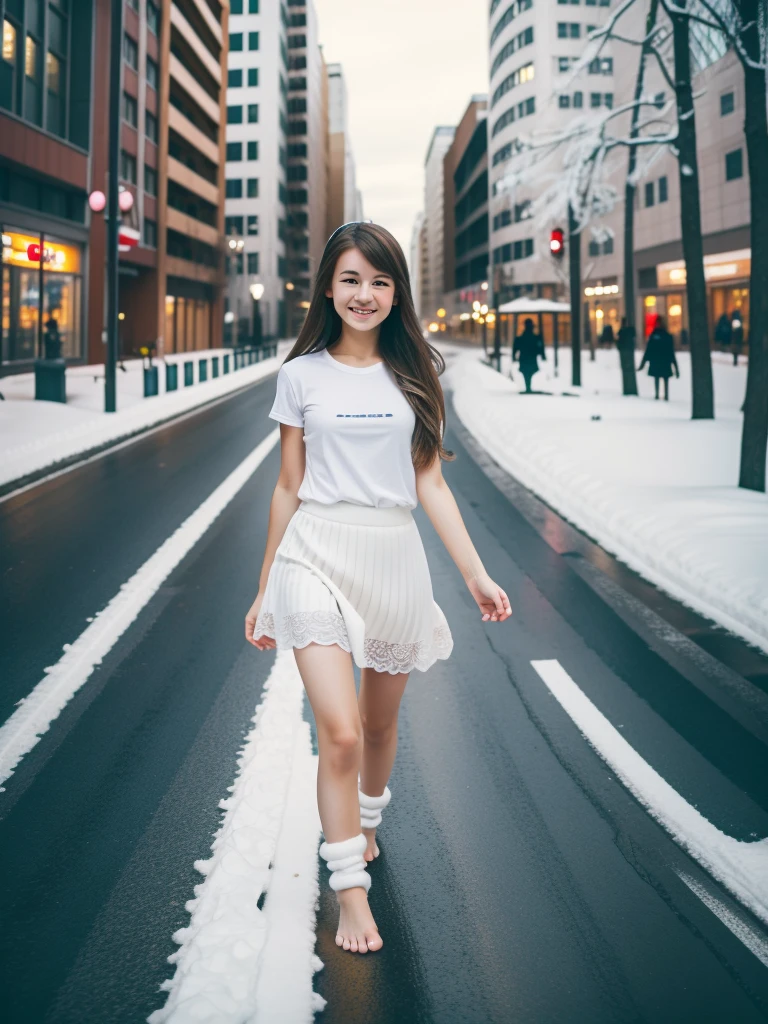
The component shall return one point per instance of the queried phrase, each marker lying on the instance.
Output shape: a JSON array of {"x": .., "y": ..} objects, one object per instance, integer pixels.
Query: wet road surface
[{"x": 519, "y": 879}]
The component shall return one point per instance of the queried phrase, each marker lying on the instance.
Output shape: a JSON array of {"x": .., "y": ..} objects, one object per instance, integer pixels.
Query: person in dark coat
[
  {"x": 627, "y": 335},
  {"x": 660, "y": 356},
  {"x": 527, "y": 349},
  {"x": 723, "y": 330}
]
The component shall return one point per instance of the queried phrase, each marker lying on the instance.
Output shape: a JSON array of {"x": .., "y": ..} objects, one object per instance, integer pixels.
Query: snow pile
[
  {"x": 650, "y": 485},
  {"x": 35, "y": 436},
  {"x": 225, "y": 954}
]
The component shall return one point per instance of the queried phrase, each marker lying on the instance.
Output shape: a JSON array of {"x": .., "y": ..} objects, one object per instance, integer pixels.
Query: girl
[{"x": 345, "y": 575}]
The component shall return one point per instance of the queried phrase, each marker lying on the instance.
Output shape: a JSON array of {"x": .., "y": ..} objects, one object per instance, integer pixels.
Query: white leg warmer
[
  {"x": 371, "y": 807},
  {"x": 346, "y": 861}
]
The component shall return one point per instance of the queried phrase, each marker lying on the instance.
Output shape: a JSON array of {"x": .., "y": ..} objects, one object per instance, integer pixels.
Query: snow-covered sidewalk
[
  {"x": 36, "y": 436},
  {"x": 650, "y": 485}
]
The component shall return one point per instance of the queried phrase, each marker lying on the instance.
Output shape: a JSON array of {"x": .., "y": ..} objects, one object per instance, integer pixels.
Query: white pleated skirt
[{"x": 356, "y": 576}]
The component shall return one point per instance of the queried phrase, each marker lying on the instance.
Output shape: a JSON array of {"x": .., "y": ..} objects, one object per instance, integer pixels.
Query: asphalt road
[{"x": 519, "y": 879}]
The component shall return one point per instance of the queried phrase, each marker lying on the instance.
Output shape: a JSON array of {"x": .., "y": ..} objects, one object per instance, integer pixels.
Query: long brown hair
[{"x": 415, "y": 364}]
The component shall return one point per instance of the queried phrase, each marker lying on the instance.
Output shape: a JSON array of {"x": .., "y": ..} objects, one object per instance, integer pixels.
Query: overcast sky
[{"x": 409, "y": 66}]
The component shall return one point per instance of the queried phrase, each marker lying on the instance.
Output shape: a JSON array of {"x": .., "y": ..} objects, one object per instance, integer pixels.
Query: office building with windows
[
  {"x": 344, "y": 199},
  {"x": 465, "y": 213},
  {"x": 532, "y": 46},
  {"x": 256, "y": 169},
  {"x": 54, "y": 130},
  {"x": 434, "y": 221}
]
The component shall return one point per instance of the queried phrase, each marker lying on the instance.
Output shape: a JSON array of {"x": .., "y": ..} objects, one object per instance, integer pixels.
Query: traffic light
[{"x": 557, "y": 243}]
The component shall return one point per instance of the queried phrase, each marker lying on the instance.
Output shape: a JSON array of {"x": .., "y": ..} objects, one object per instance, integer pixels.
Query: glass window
[
  {"x": 234, "y": 151},
  {"x": 150, "y": 180},
  {"x": 253, "y": 188},
  {"x": 726, "y": 104},
  {"x": 234, "y": 188},
  {"x": 649, "y": 193},
  {"x": 253, "y": 263},
  {"x": 253, "y": 6},
  {"x": 253, "y": 76},
  {"x": 563, "y": 64},
  {"x": 130, "y": 110},
  {"x": 30, "y": 58},
  {"x": 578, "y": 99},
  {"x": 608, "y": 100},
  {"x": 734, "y": 165},
  {"x": 150, "y": 126},
  {"x": 253, "y": 150},
  {"x": 152, "y": 73},
  {"x": 575, "y": 30},
  {"x": 53, "y": 73},
  {"x": 153, "y": 18},
  {"x": 233, "y": 225},
  {"x": 127, "y": 167},
  {"x": 564, "y": 101},
  {"x": 57, "y": 32},
  {"x": 234, "y": 78},
  {"x": 562, "y": 30},
  {"x": 608, "y": 246},
  {"x": 253, "y": 40},
  {"x": 595, "y": 99},
  {"x": 235, "y": 42},
  {"x": 663, "y": 189},
  {"x": 593, "y": 248},
  {"x": 253, "y": 224},
  {"x": 150, "y": 233},
  {"x": 235, "y": 114},
  {"x": 54, "y": 70},
  {"x": 236, "y": 7},
  {"x": 130, "y": 52},
  {"x": 253, "y": 113}
]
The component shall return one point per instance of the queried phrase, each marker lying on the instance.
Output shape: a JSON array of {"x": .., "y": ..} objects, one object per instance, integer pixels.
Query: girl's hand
[
  {"x": 491, "y": 599},
  {"x": 262, "y": 643}
]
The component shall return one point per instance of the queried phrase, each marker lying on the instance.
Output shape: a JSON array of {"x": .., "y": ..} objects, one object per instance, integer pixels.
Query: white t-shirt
[{"x": 357, "y": 430}]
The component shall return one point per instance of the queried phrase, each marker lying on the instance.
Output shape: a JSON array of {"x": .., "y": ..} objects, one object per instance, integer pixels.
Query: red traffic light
[{"x": 557, "y": 243}]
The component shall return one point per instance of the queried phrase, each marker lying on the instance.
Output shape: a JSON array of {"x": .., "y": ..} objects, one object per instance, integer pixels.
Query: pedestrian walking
[
  {"x": 660, "y": 356},
  {"x": 625, "y": 341},
  {"x": 608, "y": 337},
  {"x": 527, "y": 348},
  {"x": 345, "y": 576},
  {"x": 723, "y": 330}
]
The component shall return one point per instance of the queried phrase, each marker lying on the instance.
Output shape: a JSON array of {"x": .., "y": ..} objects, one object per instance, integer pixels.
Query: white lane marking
[
  {"x": 754, "y": 942},
  {"x": 741, "y": 867},
  {"x": 225, "y": 950},
  {"x": 34, "y": 713}
]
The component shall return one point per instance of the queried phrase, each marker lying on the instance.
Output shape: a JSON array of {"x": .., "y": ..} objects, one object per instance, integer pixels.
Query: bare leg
[
  {"x": 379, "y": 701},
  {"x": 328, "y": 677}
]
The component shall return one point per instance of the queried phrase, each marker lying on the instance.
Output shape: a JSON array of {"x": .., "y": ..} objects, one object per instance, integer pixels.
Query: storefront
[
  {"x": 42, "y": 279},
  {"x": 727, "y": 279},
  {"x": 602, "y": 310}
]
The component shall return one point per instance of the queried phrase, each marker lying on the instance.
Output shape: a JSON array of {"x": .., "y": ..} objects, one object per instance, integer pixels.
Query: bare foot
[
  {"x": 357, "y": 930},
  {"x": 372, "y": 849}
]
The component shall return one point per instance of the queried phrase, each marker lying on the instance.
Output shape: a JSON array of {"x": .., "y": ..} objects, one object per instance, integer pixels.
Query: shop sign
[
  {"x": 720, "y": 266},
  {"x": 24, "y": 251}
]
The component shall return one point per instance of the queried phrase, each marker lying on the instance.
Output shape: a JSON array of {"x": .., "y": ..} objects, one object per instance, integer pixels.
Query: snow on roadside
[
  {"x": 650, "y": 485},
  {"x": 226, "y": 947},
  {"x": 35, "y": 436}
]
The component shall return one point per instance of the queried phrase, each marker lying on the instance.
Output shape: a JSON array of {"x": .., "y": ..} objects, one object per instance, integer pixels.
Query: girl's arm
[
  {"x": 284, "y": 503},
  {"x": 440, "y": 505}
]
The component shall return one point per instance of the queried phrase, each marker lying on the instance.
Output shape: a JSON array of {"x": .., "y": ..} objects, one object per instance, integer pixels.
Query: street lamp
[
  {"x": 235, "y": 246},
  {"x": 256, "y": 290}
]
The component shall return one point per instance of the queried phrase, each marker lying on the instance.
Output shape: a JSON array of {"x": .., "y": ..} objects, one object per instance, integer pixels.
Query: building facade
[
  {"x": 532, "y": 47},
  {"x": 433, "y": 278},
  {"x": 465, "y": 214},
  {"x": 256, "y": 162},
  {"x": 54, "y": 121},
  {"x": 417, "y": 260},
  {"x": 344, "y": 198}
]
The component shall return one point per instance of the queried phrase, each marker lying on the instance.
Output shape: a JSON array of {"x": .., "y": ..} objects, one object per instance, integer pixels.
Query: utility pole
[{"x": 113, "y": 211}]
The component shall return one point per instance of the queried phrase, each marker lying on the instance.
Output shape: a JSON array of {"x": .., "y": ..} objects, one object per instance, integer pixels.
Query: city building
[
  {"x": 54, "y": 130},
  {"x": 724, "y": 199},
  {"x": 256, "y": 162},
  {"x": 531, "y": 49},
  {"x": 307, "y": 144},
  {"x": 344, "y": 198},
  {"x": 433, "y": 276},
  {"x": 465, "y": 214},
  {"x": 417, "y": 261}
]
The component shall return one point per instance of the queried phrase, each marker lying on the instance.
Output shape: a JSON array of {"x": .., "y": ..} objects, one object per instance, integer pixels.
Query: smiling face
[{"x": 362, "y": 296}]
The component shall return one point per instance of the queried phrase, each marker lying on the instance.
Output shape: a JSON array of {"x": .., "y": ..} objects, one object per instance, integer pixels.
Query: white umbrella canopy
[{"x": 527, "y": 305}]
